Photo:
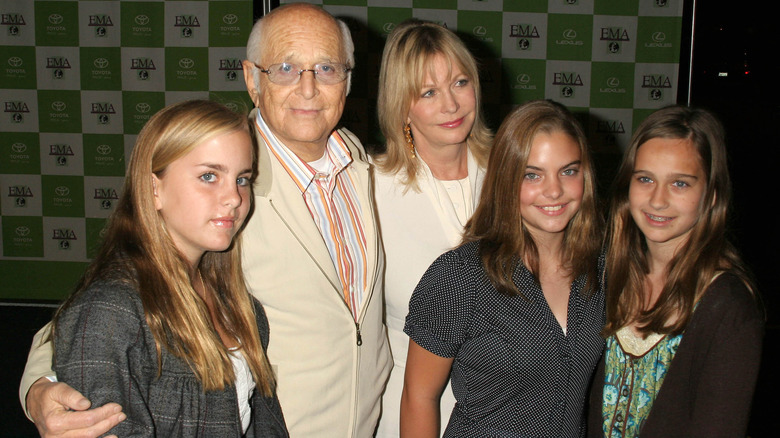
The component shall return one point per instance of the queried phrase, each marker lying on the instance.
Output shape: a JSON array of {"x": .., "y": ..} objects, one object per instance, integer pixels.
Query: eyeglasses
[{"x": 289, "y": 74}]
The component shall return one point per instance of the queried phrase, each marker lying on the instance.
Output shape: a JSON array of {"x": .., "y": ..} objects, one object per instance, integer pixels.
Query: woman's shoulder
[
  {"x": 113, "y": 294},
  {"x": 730, "y": 294}
]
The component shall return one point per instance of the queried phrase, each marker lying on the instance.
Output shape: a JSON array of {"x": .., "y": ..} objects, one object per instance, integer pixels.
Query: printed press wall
[{"x": 80, "y": 78}]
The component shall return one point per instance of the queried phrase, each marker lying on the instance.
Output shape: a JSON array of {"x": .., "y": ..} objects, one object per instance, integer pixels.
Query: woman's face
[
  {"x": 204, "y": 196},
  {"x": 666, "y": 191},
  {"x": 553, "y": 185},
  {"x": 444, "y": 112}
]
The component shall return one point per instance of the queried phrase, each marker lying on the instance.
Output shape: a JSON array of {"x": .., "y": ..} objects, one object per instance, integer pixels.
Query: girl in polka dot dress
[
  {"x": 513, "y": 315},
  {"x": 684, "y": 331}
]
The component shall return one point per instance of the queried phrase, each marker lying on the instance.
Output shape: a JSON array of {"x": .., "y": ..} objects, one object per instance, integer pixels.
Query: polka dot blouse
[{"x": 515, "y": 373}]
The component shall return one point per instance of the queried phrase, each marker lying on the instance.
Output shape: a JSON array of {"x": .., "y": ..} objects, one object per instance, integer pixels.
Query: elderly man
[{"x": 312, "y": 254}]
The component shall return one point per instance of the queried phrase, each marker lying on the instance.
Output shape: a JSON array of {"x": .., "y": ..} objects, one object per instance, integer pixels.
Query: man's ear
[{"x": 249, "y": 78}]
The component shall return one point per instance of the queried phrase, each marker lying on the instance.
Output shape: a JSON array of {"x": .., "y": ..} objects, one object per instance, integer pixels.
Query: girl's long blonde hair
[{"x": 137, "y": 249}]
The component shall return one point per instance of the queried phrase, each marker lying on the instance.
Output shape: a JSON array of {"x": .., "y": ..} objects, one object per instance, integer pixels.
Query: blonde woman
[
  {"x": 161, "y": 321},
  {"x": 429, "y": 179}
]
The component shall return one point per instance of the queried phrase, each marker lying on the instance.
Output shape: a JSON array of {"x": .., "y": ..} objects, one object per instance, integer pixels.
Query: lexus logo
[
  {"x": 570, "y": 34},
  {"x": 479, "y": 31},
  {"x": 659, "y": 37}
]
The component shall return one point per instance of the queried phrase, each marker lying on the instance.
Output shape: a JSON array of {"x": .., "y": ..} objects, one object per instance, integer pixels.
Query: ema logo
[
  {"x": 567, "y": 81},
  {"x": 614, "y": 34},
  {"x": 17, "y": 109},
  {"x": 20, "y": 193},
  {"x": 230, "y": 66},
  {"x": 144, "y": 66},
  {"x": 61, "y": 152},
  {"x": 106, "y": 196},
  {"x": 13, "y": 21},
  {"x": 610, "y": 129},
  {"x": 525, "y": 34},
  {"x": 101, "y": 24},
  {"x": 103, "y": 110},
  {"x": 186, "y": 23},
  {"x": 656, "y": 85},
  {"x": 64, "y": 236},
  {"x": 58, "y": 65}
]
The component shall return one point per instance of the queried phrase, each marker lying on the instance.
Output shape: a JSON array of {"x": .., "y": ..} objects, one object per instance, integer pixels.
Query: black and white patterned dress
[{"x": 515, "y": 373}]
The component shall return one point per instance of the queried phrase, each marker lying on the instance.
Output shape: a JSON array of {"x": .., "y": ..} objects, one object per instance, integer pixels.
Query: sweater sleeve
[
  {"x": 728, "y": 372},
  {"x": 99, "y": 350}
]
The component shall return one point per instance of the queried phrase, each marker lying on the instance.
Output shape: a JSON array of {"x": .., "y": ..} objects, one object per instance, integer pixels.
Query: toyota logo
[
  {"x": 100, "y": 62},
  {"x": 613, "y": 82},
  {"x": 523, "y": 78},
  {"x": 55, "y": 18},
  {"x": 22, "y": 231},
  {"x": 104, "y": 149},
  {"x": 19, "y": 147},
  {"x": 479, "y": 31},
  {"x": 230, "y": 19},
  {"x": 659, "y": 37},
  {"x": 15, "y": 61},
  {"x": 186, "y": 63},
  {"x": 62, "y": 191},
  {"x": 232, "y": 106},
  {"x": 143, "y": 107},
  {"x": 141, "y": 20},
  {"x": 570, "y": 34},
  {"x": 58, "y": 106}
]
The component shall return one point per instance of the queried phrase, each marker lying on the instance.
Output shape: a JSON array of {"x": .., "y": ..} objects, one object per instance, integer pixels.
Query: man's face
[{"x": 304, "y": 114}]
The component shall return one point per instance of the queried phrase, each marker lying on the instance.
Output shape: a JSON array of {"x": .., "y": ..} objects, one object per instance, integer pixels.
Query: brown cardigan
[{"x": 709, "y": 387}]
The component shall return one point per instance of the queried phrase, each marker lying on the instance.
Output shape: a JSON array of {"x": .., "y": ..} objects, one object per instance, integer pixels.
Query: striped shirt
[{"x": 332, "y": 196}]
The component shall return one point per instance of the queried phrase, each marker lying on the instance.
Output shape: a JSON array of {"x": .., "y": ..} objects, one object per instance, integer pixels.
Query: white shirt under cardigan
[{"x": 416, "y": 227}]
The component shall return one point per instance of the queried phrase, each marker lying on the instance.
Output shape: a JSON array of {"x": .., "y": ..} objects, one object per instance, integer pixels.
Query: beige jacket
[{"x": 328, "y": 385}]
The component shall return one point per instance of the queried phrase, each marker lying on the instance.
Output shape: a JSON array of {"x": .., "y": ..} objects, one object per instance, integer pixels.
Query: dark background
[{"x": 729, "y": 37}]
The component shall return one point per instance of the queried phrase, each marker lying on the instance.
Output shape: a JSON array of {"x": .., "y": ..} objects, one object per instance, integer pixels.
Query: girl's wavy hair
[
  {"x": 505, "y": 242},
  {"x": 707, "y": 250}
]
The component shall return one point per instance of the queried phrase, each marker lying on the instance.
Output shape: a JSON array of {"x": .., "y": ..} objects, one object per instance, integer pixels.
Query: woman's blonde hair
[
  {"x": 407, "y": 58},
  {"x": 505, "y": 242},
  {"x": 138, "y": 249},
  {"x": 696, "y": 263}
]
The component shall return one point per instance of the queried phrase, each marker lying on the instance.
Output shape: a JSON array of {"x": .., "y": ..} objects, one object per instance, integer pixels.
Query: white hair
[{"x": 254, "y": 48}]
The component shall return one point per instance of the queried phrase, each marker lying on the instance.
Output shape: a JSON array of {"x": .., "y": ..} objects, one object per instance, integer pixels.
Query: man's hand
[{"x": 60, "y": 411}]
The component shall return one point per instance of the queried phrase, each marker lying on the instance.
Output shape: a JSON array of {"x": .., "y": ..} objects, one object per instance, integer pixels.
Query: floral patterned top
[{"x": 634, "y": 371}]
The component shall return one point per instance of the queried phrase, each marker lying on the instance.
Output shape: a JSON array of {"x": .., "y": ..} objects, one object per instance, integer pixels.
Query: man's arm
[{"x": 57, "y": 409}]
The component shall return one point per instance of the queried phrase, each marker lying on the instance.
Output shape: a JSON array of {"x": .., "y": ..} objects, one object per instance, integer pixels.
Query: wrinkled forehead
[{"x": 303, "y": 40}]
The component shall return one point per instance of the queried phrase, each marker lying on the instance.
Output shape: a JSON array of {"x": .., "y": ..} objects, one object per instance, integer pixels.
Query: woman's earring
[{"x": 409, "y": 139}]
